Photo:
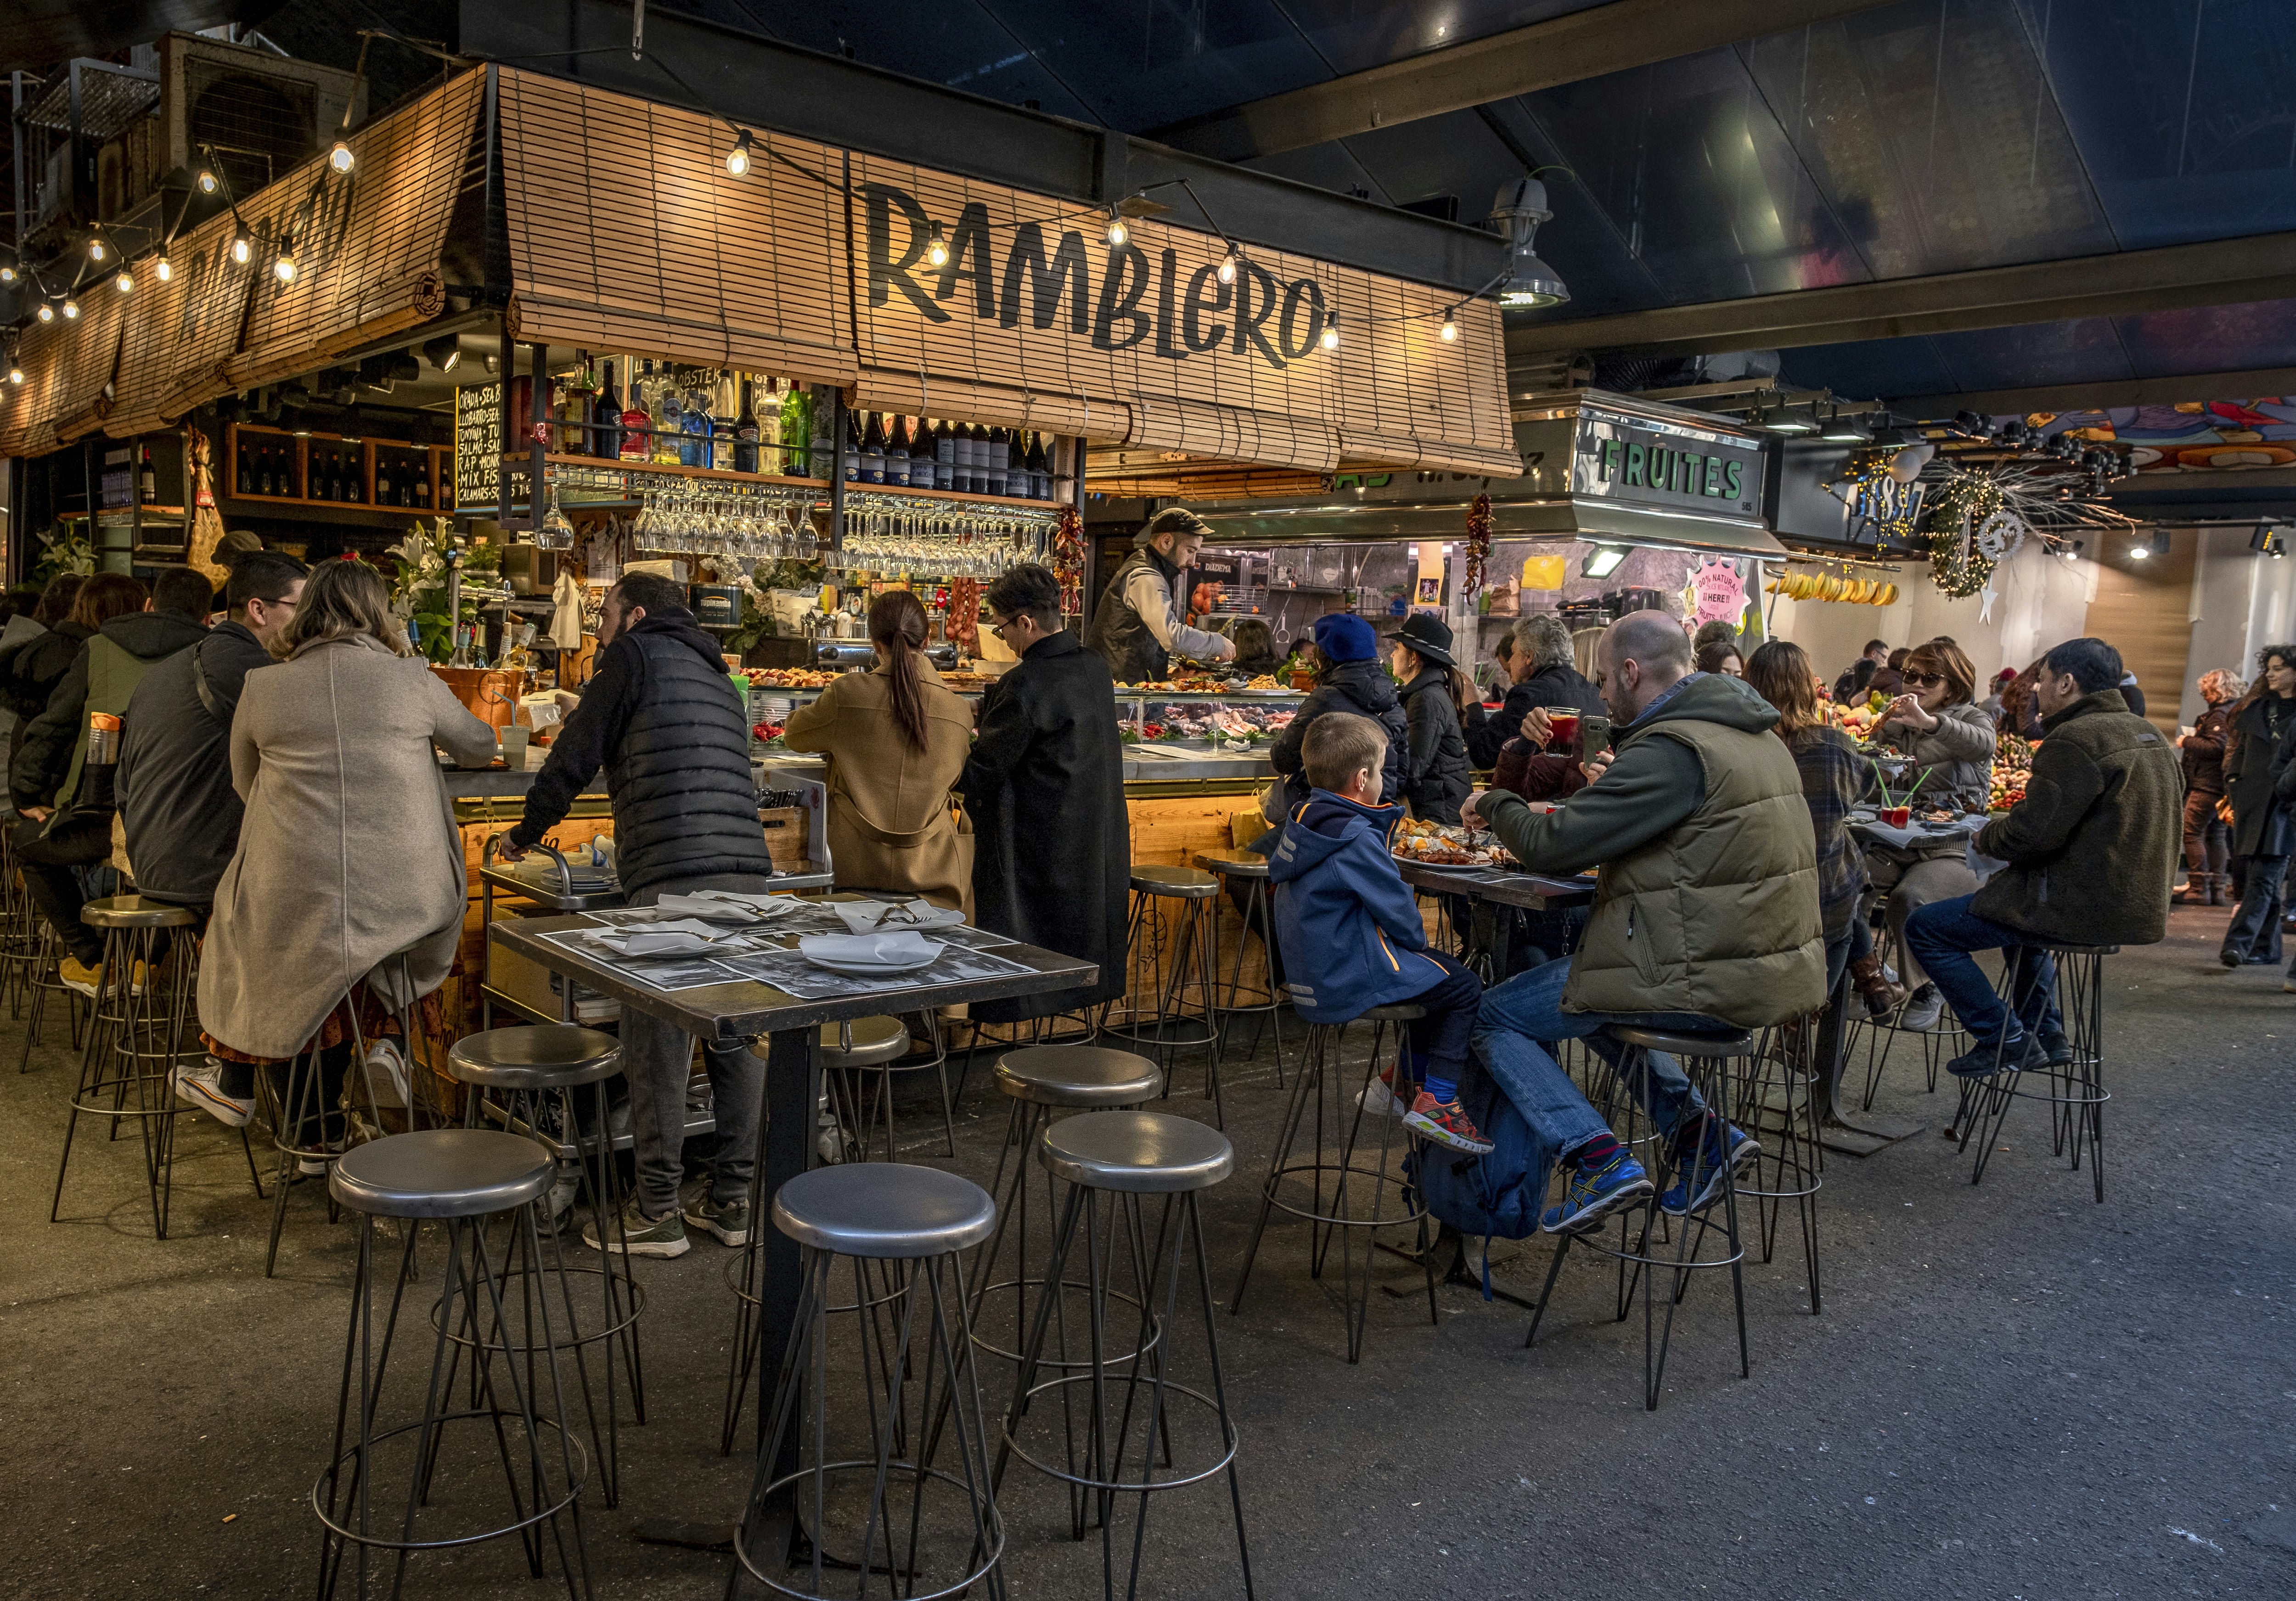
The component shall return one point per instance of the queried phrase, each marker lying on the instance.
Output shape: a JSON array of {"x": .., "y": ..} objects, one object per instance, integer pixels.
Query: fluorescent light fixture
[{"x": 1602, "y": 561}]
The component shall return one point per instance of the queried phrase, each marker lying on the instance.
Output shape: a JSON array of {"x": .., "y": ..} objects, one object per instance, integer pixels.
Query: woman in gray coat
[
  {"x": 1948, "y": 738},
  {"x": 348, "y": 855}
]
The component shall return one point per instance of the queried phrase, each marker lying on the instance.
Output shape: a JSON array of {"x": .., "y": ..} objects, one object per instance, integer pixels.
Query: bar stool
[
  {"x": 462, "y": 1178},
  {"x": 21, "y": 928},
  {"x": 127, "y": 1059},
  {"x": 847, "y": 1050},
  {"x": 1705, "y": 1059},
  {"x": 301, "y": 1099},
  {"x": 39, "y": 980},
  {"x": 1937, "y": 1045},
  {"x": 925, "y": 1219},
  {"x": 529, "y": 1076},
  {"x": 1194, "y": 953},
  {"x": 1128, "y": 1156},
  {"x": 1779, "y": 1097},
  {"x": 1318, "y": 1097},
  {"x": 1250, "y": 868},
  {"x": 2074, "y": 1090}
]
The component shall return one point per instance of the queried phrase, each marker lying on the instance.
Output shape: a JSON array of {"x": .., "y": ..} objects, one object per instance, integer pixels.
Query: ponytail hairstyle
[
  {"x": 1462, "y": 692},
  {"x": 897, "y": 627}
]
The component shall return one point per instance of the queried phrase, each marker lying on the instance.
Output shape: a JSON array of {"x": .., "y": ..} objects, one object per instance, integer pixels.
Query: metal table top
[{"x": 1538, "y": 892}]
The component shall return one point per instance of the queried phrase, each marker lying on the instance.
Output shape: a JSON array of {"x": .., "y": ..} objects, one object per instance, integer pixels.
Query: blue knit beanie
[{"x": 1344, "y": 637}]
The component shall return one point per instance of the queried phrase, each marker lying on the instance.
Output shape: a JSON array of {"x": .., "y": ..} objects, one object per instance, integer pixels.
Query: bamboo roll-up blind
[
  {"x": 27, "y": 411},
  {"x": 181, "y": 334},
  {"x": 1231, "y": 434},
  {"x": 910, "y": 395},
  {"x": 1388, "y": 450},
  {"x": 366, "y": 243},
  {"x": 88, "y": 361},
  {"x": 626, "y": 232}
]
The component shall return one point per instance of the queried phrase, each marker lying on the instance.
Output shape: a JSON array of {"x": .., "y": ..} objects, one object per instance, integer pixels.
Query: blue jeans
[
  {"x": 1523, "y": 1016},
  {"x": 1942, "y": 935}
]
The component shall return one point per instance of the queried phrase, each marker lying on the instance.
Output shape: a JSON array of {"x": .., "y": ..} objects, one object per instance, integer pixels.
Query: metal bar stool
[
  {"x": 40, "y": 980},
  {"x": 1171, "y": 1027},
  {"x": 1938, "y": 1045},
  {"x": 1706, "y": 1059},
  {"x": 461, "y": 1177},
  {"x": 1127, "y": 1156},
  {"x": 2073, "y": 1086},
  {"x": 1779, "y": 1096},
  {"x": 925, "y": 1219},
  {"x": 1318, "y": 1098},
  {"x": 300, "y": 1099},
  {"x": 529, "y": 1078},
  {"x": 22, "y": 928},
  {"x": 852, "y": 1047},
  {"x": 1249, "y": 869},
  {"x": 127, "y": 1058}
]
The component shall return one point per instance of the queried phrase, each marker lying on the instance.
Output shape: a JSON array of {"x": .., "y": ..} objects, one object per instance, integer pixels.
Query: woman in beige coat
[
  {"x": 896, "y": 740},
  {"x": 348, "y": 855}
]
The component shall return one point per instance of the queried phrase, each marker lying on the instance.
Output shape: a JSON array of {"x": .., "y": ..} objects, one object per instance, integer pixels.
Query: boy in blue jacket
[{"x": 1350, "y": 929}]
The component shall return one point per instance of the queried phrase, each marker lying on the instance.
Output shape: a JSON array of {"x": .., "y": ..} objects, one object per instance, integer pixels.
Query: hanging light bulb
[
  {"x": 242, "y": 246},
  {"x": 162, "y": 268},
  {"x": 1331, "y": 340},
  {"x": 8, "y": 273},
  {"x": 737, "y": 159},
  {"x": 94, "y": 248},
  {"x": 47, "y": 313},
  {"x": 124, "y": 281},
  {"x": 15, "y": 370},
  {"x": 206, "y": 181},
  {"x": 340, "y": 158},
  {"x": 283, "y": 269},
  {"x": 1451, "y": 325},
  {"x": 936, "y": 249},
  {"x": 1116, "y": 232},
  {"x": 1230, "y": 264},
  {"x": 71, "y": 310}
]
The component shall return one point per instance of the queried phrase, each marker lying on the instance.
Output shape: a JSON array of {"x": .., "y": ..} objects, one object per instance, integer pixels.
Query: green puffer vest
[{"x": 1719, "y": 914}]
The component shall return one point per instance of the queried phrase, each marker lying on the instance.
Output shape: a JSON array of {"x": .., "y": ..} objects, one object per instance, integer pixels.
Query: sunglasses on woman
[{"x": 1925, "y": 680}]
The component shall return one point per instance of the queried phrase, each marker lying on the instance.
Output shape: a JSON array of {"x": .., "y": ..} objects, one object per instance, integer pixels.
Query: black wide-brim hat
[{"x": 1426, "y": 635}]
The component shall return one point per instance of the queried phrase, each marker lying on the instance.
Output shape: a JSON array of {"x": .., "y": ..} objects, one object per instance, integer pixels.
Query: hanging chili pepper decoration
[
  {"x": 1479, "y": 541},
  {"x": 1068, "y": 561}
]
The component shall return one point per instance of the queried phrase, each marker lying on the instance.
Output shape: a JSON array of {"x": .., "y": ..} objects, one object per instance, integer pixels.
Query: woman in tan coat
[
  {"x": 348, "y": 855},
  {"x": 896, "y": 740}
]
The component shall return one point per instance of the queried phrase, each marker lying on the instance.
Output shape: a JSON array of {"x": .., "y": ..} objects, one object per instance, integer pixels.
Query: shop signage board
[
  {"x": 478, "y": 444},
  {"x": 1666, "y": 465}
]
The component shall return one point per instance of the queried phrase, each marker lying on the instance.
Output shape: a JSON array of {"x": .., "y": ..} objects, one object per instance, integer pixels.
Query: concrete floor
[{"x": 2011, "y": 1392}]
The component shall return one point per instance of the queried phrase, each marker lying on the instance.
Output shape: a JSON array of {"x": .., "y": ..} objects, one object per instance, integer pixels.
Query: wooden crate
[{"x": 786, "y": 828}]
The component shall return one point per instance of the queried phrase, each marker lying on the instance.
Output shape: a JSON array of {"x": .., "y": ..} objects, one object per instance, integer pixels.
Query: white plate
[
  {"x": 865, "y": 969},
  {"x": 1267, "y": 692}
]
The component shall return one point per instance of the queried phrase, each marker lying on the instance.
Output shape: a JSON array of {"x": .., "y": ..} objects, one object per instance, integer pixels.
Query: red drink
[
  {"x": 1563, "y": 728},
  {"x": 1897, "y": 817}
]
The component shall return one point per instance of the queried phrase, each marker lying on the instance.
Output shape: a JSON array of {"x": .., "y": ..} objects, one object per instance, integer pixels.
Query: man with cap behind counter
[{"x": 1138, "y": 629}]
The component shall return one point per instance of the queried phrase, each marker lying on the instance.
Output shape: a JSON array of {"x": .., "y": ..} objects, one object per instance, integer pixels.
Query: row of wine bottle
[
  {"x": 329, "y": 475},
  {"x": 694, "y": 417}
]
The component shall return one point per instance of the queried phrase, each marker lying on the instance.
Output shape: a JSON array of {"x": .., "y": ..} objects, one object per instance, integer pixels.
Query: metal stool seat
[
  {"x": 1127, "y": 1155},
  {"x": 1319, "y": 1098},
  {"x": 2074, "y": 1089},
  {"x": 883, "y": 1211},
  {"x": 1078, "y": 1075},
  {"x": 527, "y": 1077},
  {"x": 1170, "y": 1022},
  {"x": 848, "y": 1049},
  {"x": 136, "y": 1030},
  {"x": 515, "y": 1419},
  {"x": 863, "y": 1042},
  {"x": 1706, "y": 1056},
  {"x": 1244, "y": 874}
]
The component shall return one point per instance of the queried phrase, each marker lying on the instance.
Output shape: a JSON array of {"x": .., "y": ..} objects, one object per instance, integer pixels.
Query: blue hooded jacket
[{"x": 1347, "y": 923}]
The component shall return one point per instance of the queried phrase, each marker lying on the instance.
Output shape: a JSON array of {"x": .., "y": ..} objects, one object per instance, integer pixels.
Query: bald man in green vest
[{"x": 1705, "y": 917}]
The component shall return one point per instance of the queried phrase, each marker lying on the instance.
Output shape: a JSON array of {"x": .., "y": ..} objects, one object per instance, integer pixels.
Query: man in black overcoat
[{"x": 1052, "y": 848}]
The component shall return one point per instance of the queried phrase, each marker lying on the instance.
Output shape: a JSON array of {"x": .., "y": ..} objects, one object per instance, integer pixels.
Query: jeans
[
  {"x": 658, "y": 1056},
  {"x": 2207, "y": 838},
  {"x": 1520, "y": 1017},
  {"x": 1438, "y": 1040},
  {"x": 1944, "y": 933},
  {"x": 2255, "y": 929}
]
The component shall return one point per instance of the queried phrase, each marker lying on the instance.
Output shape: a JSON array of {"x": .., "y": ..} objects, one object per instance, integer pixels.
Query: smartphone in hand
[{"x": 1593, "y": 735}]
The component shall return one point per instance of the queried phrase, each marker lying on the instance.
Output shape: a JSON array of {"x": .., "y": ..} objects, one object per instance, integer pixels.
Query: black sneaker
[
  {"x": 2057, "y": 1050},
  {"x": 642, "y": 1236},
  {"x": 1983, "y": 1061},
  {"x": 728, "y": 1221}
]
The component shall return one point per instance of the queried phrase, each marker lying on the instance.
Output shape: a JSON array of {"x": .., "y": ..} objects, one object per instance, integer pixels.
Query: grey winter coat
[{"x": 1957, "y": 756}]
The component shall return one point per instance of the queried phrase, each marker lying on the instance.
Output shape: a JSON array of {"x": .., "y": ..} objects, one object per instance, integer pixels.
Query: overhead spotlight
[
  {"x": 737, "y": 159},
  {"x": 71, "y": 310},
  {"x": 242, "y": 246},
  {"x": 1331, "y": 340},
  {"x": 47, "y": 313},
  {"x": 162, "y": 268},
  {"x": 402, "y": 367},
  {"x": 1230, "y": 264},
  {"x": 445, "y": 352},
  {"x": 1602, "y": 561},
  {"x": 1451, "y": 325},
  {"x": 208, "y": 180},
  {"x": 2137, "y": 553},
  {"x": 1521, "y": 207},
  {"x": 1841, "y": 431},
  {"x": 340, "y": 158},
  {"x": 2261, "y": 539},
  {"x": 95, "y": 248},
  {"x": 936, "y": 249},
  {"x": 124, "y": 281},
  {"x": 283, "y": 268},
  {"x": 1116, "y": 232},
  {"x": 2014, "y": 432},
  {"x": 1790, "y": 421}
]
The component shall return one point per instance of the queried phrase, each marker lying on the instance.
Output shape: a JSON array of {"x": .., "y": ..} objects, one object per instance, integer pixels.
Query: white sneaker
[
  {"x": 1922, "y": 1009},
  {"x": 201, "y": 1084},
  {"x": 386, "y": 1065},
  {"x": 1379, "y": 1100}
]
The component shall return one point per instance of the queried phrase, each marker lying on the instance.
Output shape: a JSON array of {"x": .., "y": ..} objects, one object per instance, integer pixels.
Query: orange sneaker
[{"x": 1445, "y": 1121}]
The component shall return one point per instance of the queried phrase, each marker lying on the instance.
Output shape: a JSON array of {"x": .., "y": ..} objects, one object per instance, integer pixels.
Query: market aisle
[{"x": 2012, "y": 1392}]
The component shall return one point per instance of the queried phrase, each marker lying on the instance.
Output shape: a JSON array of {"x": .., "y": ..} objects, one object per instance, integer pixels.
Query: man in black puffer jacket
[
  {"x": 1543, "y": 677},
  {"x": 1352, "y": 679},
  {"x": 661, "y": 717}
]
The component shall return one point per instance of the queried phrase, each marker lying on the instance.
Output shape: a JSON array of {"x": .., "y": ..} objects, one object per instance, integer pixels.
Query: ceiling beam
[
  {"x": 1565, "y": 50},
  {"x": 2104, "y": 395},
  {"x": 763, "y": 83},
  {"x": 2220, "y": 272}
]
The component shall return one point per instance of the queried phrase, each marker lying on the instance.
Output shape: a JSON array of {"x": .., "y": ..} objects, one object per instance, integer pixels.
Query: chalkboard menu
[{"x": 478, "y": 444}]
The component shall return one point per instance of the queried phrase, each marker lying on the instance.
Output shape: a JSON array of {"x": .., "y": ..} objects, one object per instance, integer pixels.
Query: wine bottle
[
  {"x": 897, "y": 455},
  {"x": 798, "y": 436},
  {"x": 147, "y": 480},
  {"x": 982, "y": 449},
  {"x": 693, "y": 422},
  {"x": 960, "y": 469},
  {"x": 637, "y": 441},
  {"x": 821, "y": 417},
  {"x": 768, "y": 420},
  {"x": 669, "y": 409},
  {"x": 923, "y": 452},
  {"x": 246, "y": 469},
  {"x": 1040, "y": 475},
  {"x": 606, "y": 418},
  {"x": 1000, "y": 462},
  {"x": 385, "y": 490},
  {"x": 872, "y": 451},
  {"x": 745, "y": 432},
  {"x": 945, "y": 438},
  {"x": 725, "y": 427},
  {"x": 851, "y": 453},
  {"x": 422, "y": 484}
]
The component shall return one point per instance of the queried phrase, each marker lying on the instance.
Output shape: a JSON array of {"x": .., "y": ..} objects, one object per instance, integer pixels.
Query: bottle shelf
[
  {"x": 727, "y": 475},
  {"x": 436, "y": 462}
]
